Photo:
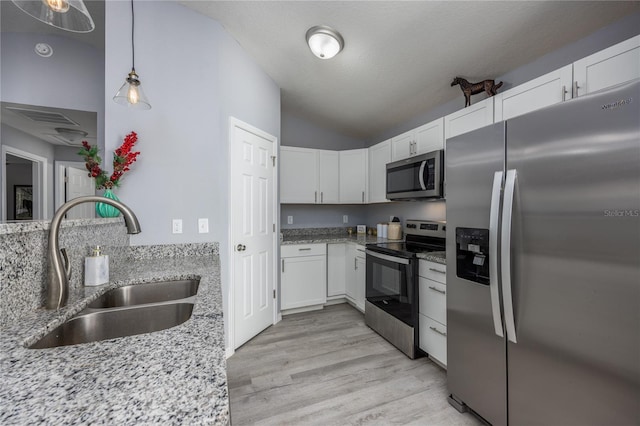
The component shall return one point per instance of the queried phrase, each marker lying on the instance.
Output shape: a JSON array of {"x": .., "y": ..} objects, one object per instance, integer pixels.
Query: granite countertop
[
  {"x": 172, "y": 376},
  {"x": 333, "y": 238},
  {"x": 434, "y": 256}
]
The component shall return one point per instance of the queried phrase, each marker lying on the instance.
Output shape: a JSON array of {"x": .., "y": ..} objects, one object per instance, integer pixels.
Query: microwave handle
[{"x": 421, "y": 175}]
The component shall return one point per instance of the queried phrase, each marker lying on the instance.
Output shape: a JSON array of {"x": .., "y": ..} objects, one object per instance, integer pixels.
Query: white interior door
[
  {"x": 77, "y": 184},
  {"x": 253, "y": 230}
]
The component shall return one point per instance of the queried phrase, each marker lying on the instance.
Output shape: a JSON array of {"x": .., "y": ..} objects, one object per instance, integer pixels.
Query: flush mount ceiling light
[
  {"x": 72, "y": 135},
  {"x": 68, "y": 15},
  {"x": 131, "y": 94},
  {"x": 324, "y": 42}
]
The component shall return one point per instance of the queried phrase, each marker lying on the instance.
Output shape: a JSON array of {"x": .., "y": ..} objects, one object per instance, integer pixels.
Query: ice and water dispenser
[{"x": 472, "y": 254}]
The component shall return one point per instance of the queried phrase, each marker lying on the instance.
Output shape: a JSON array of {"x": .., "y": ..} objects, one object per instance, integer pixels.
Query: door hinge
[
  {"x": 274, "y": 294},
  {"x": 273, "y": 160}
]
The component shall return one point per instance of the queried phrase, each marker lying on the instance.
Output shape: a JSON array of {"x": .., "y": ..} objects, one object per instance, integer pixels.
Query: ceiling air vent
[{"x": 43, "y": 116}]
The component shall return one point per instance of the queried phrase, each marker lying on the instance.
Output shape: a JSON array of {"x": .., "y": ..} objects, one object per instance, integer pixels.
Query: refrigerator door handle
[
  {"x": 493, "y": 253},
  {"x": 421, "y": 175},
  {"x": 505, "y": 245}
]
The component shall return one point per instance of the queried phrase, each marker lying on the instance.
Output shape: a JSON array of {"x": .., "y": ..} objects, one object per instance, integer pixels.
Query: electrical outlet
[
  {"x": 176, "y": 226},
  {"x": 203, "y": 225},
  {"x": 289, "y": 220},
  {"x": 345, "y": 218}
]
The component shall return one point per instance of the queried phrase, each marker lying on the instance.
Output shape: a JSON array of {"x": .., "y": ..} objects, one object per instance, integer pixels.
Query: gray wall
[
  {"x": 297, "y": 131},
  {"x": 601, "y": 39},
  {"x": 196, "y": 76},
  {"x": 321, "y": 215},
  {"x": 72, "y": 78}
]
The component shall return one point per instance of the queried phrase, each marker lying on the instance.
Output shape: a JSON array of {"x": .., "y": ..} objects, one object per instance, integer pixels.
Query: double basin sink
[{"x": 127, "y": 311}]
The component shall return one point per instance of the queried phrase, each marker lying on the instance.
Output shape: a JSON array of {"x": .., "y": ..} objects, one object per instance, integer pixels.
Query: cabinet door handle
[
  {"x": 315, "y": 197},
  {"x": 438, "y": 331},
  {"x": 282, "y": 265},
  {"x": 321, "y": 197},
  {"x": 438, "y": 290},
  {"x": 564, "y": 93},
  {"x": 363, "y": 196},
  {"x": 575, "y": 89},
  {"x": 355, "y": 263},
  {"x": 437, "y": 270}
]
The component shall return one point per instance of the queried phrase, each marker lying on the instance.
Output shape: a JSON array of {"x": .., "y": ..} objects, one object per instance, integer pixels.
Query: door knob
[{"x": 241, "y": 247}]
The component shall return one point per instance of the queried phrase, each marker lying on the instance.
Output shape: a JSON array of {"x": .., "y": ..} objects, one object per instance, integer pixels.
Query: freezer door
[
  {"x": 575, "y": 262},
  {"x": 476, "y": 370}
]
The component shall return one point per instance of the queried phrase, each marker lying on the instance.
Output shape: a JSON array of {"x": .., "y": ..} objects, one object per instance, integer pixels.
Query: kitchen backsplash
[{"x": 23, "y": 258}]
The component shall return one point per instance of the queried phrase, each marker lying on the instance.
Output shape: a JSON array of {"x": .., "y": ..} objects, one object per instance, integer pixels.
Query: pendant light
[
  {"x": 131, "y": 94},
  {"x": 68, "y": 15},
  {"x": 324, "y": 42}
]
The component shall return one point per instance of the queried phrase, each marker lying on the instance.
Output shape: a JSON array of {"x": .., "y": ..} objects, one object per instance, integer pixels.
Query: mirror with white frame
[{"x": 51, "y": 99}]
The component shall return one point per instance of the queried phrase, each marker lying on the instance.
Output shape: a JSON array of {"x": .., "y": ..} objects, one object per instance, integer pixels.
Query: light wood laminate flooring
[{"x": 328, "y": 368}]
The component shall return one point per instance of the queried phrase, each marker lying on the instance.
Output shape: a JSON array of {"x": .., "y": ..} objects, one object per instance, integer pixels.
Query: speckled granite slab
[
  {"x": 434, "y": 256},
  {"x": 174, "y": 376},
  {"x": 23, "y": 248},
  {"x": 173, "y": 250},
  {"x": 333, "y": 238},
  {"x": 301, "y": 232}
]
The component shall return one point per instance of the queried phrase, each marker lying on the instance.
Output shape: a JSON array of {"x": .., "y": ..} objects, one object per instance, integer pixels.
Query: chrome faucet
[{"x": 57, "y": 276}]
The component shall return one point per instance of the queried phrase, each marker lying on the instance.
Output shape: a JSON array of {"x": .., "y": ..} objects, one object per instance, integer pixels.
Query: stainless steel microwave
[{"x": 416, "y": 177}]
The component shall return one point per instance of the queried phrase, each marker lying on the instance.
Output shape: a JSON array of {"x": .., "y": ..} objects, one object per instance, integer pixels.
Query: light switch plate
[
  {"x": 176, "y": 226},
  {"x": 345, "y": 218},
  {"x": 203, "y": 225},
  {"x": 289, "y": 220}
]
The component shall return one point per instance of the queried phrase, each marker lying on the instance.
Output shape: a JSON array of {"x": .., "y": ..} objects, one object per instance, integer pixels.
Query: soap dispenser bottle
[{"x": 96, "y": 268}]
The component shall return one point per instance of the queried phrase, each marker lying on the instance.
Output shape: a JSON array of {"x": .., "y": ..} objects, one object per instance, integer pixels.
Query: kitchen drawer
[
  {"x": 433, "y": 299},
  {"x": 297, "y": 250},
  {"x": 433, "y": 339},
  {"x": 433, "y": 271}
]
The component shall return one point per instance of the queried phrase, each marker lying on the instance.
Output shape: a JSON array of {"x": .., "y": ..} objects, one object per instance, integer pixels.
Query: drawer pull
[
  {"x": 438, "y": 331},
  {"x": 438, "y": 290},
  {"x": 437, "y": 270},
  {"x": 304, "y": 249}
]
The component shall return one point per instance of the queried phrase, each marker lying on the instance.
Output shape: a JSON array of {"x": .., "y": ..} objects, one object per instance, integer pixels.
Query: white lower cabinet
[
  {"x": 356, "y": 271},
  {"x": 303, "y": 275},
  {"x": 432, "y": 310},
  {"x": 336, "y": 270}
]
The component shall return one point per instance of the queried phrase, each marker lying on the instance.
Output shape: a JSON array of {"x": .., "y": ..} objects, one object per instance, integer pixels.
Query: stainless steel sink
[
  {"x": 140, "y": 294},
  {"x": 109, "y": 324}
]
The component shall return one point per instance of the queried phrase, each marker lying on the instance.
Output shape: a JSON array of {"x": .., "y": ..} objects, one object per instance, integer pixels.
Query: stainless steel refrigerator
[{"x": 543, "y": 264}]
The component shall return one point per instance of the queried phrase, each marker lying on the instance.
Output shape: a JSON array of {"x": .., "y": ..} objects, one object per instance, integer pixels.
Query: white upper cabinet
[
  {"x": 543, "y": 91},
  {"x": 298, "y": 175},
  {"x": 467, "y": 119},
  {"x": 379, "y": 156},
  {"x": 353, "y": 176},
  {"x": 430, "y": 136},
  {"x": 617, "y": 64},
  {"x": 328, "y": 177},
  {"x": 402, "y": 146}
]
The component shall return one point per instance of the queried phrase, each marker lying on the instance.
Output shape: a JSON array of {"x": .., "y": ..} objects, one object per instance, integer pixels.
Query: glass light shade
[
  {"x": 324, "y": 42},
  {"x": 68, "y": 15},
  {"x": 131, "y": 93}
]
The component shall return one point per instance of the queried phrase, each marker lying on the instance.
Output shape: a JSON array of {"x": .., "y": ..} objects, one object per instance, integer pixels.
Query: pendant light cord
[{"x": 133, "y": 46}]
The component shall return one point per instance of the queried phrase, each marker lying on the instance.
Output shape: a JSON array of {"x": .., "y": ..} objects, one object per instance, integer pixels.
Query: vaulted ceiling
[{"x": 400, "y": 56}]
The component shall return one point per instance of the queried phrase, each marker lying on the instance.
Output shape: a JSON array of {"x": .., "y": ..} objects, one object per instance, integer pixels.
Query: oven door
[{"x": 391, "y": 285}]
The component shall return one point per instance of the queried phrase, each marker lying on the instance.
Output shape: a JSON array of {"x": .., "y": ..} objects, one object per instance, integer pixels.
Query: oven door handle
[{"x": 387, "y": 257}]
